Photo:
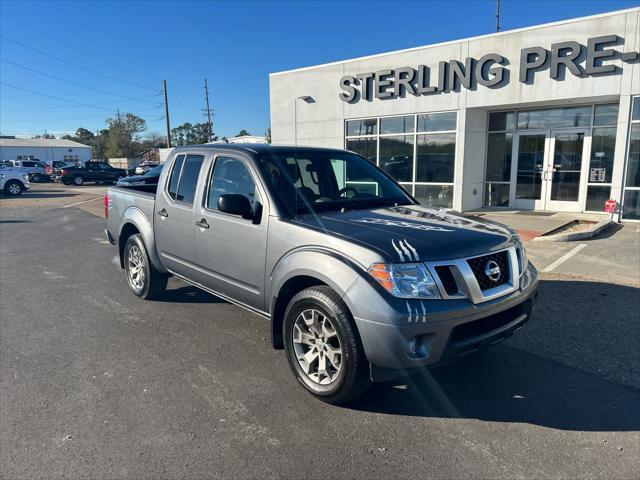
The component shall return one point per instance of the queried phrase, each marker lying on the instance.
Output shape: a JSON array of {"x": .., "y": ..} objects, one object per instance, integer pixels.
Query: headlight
[
  {"x": 25, "y": 177},
  {"x": 522, "y": 256},
  {"x": 405, "y": 280},
  {"x": 2, "y": 175}
]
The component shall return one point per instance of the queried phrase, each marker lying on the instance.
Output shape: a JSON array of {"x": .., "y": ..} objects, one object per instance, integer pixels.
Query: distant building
[{"x": 44, "y": 149}]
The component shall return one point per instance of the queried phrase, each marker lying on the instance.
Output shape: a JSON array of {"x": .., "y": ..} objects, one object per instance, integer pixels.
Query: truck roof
[{"x": 255, "y": 148}]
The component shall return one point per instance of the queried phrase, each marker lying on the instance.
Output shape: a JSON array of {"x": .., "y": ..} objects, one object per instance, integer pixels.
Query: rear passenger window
[
  {"x": 175, "y": 176},
  {"x": 189, "y": 178}
]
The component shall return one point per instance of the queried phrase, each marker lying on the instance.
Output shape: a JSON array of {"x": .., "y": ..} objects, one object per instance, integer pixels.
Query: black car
[
  {"x": 151, "y": 177},
  {"x": 91, "y": 172}
]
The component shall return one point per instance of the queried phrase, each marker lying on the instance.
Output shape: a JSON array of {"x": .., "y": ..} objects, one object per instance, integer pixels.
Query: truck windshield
[{"x": 311, "y": 181}]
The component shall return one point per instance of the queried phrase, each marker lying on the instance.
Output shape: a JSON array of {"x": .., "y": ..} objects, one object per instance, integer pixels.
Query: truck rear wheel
[
  {"x": 323, "y": 347},
  {"x": 145, "y": 281}
]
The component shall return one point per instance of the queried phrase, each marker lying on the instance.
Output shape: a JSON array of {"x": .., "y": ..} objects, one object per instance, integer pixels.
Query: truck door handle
[
  {"x": 202, "y": 224},
  {"x": 163, "y": 213}
]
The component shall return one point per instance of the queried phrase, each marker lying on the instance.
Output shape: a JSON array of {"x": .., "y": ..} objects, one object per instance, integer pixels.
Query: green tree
[
  {"x": 190, "y": 134},
  {"x": 84, "y": 136},
  {"x": 243, "y": 133},
  {"x": 267, "y": 135},
  {"x": 122, "y": 135}
]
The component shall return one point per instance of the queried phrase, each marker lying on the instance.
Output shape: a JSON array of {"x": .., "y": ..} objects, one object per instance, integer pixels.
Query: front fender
[
  {"x": 134, "y": 216},
  {"x": 328, "y": 266}
]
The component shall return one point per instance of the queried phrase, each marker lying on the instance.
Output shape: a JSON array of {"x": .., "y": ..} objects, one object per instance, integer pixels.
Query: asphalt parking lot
[{"x": 96, "y": 383}]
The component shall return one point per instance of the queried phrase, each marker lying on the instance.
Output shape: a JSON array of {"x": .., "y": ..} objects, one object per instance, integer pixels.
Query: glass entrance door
[
  {"x": 564, "y": 171},
  {"x": 527, "y": 173},
  {"x": 548, "y": 171}
]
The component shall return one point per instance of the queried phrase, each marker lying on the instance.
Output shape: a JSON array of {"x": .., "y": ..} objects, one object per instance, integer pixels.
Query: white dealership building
[
  {"x": 540, "y": 118},
  {"x": 44, "y": 149}
]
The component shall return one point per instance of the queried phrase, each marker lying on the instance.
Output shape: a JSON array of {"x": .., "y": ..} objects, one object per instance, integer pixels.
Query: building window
[
  {"x": 603, "y": 148},
  {"x": 25, "y": 157},
  {"x": 631, "y": 202},
  {"x": 396, "y": 157},
  {"x": 417, "y": 150},
  {"x": 367, "y": 147},
  {"x": 70, "y": 158},
  {"x": 555, "y": 118},
  {"x": 362, "y": 127}
]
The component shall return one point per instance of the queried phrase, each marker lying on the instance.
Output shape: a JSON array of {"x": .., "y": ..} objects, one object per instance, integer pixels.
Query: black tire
[
  {"x": 352, "y": 379},
  {"x": 154, "y": 283},
  {"x": 13, "y": 188},
  {"x": 78, "y": 180},
  {"x": 36, "y": 178},
  {"x": 65, "y": 182}
]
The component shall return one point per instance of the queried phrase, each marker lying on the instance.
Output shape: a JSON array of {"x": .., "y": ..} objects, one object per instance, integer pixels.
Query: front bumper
[{"x": 401, "y": 335}]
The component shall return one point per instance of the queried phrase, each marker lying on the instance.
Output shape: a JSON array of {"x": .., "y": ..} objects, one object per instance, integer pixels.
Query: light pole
[{"x": 306, "y": 99}]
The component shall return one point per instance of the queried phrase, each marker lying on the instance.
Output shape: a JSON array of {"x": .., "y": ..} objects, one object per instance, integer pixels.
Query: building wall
[
  {"x": 46, "y": 154},
  {"x": 322, "y": 123}
]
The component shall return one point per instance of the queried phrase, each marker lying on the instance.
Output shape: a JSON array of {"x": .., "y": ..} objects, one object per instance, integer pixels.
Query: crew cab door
[
  {"x": 173, "y": 220},
  {"x": 231, "y": 250}
]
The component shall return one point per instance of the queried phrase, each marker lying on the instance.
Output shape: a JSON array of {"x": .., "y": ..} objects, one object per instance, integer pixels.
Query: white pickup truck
[{"x": 13, "y": 181}]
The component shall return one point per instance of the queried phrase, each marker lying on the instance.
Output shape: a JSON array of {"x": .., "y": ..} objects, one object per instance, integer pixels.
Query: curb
[{"x": 575, "y": 236}]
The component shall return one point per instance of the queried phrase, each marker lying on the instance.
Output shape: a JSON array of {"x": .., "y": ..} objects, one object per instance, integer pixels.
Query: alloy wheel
[
  {"x": 14, "y": 189},
  {"x": 135, "y": 268},
  {"x": 317, "y": 346}
]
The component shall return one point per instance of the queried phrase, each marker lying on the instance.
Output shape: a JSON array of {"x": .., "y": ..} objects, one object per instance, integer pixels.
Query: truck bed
[{"x": 140, "y": 198}]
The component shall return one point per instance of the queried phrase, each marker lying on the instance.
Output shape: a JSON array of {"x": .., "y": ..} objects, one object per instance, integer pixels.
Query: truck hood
[{"x": 414, "y": 233}]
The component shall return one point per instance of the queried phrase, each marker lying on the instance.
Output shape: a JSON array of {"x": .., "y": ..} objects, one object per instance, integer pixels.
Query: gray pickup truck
[{"x": 359, "y": 281}]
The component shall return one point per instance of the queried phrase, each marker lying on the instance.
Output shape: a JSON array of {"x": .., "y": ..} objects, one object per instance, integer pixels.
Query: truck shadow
[
  {"x": 188, "y": 294},
  {"x": 575, "y": 366},
  {"x": 41, "y": 194}
]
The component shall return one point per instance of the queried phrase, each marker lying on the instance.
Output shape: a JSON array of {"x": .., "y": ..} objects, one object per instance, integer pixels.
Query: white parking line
[
  {"x": 564, "y": 258},
  {"x": 80, "y": 203}
]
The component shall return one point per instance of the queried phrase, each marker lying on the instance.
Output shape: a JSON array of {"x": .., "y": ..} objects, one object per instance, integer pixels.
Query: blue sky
[{"x": 235, "y": 45}]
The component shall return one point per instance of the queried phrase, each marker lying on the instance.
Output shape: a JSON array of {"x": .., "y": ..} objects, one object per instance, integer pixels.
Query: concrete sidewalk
[{"x": 533, "y": 224}]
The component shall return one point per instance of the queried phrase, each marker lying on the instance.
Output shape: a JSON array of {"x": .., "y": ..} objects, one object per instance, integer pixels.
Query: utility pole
[
  {"x": 166, "y": 113},
  {"x": 497, "y": 15},
  {"x": 206, "y": 99}
]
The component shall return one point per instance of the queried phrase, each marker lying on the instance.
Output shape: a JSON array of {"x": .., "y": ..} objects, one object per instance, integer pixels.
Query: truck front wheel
[
  {"x": 145, "y": 281},
  {"x": 323, "y": 347}
]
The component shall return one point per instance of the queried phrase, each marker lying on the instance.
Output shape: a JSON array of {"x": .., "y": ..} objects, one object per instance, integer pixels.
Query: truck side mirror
[{"x": 235, "y": 204}]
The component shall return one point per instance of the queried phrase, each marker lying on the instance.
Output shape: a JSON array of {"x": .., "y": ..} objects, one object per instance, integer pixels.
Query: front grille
[
  {"x": 479, "y": 265},
  {"x": 447, "y": 279}
]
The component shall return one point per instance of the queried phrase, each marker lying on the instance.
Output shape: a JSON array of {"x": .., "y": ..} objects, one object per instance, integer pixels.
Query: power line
[
  {"x": 57, "y": 107},
  {"x": 55, "y": 119},
  {"x": 24, "y": 45},
  {"x": 74, "y": 83},
  {"x": 55, "y": 98}
]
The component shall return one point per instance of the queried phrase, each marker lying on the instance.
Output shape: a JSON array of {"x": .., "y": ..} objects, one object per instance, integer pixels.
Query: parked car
[
  {"x": 357, "y": 286},
  {"x": 58, "y": 167},
  {"x": 91, "y": 172},
  {"x": 13, "y": 181},
  {"x": 144, "y": 167},
  {"x": 34, "y": 168},
  {"x": 151, "y": 177}
]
